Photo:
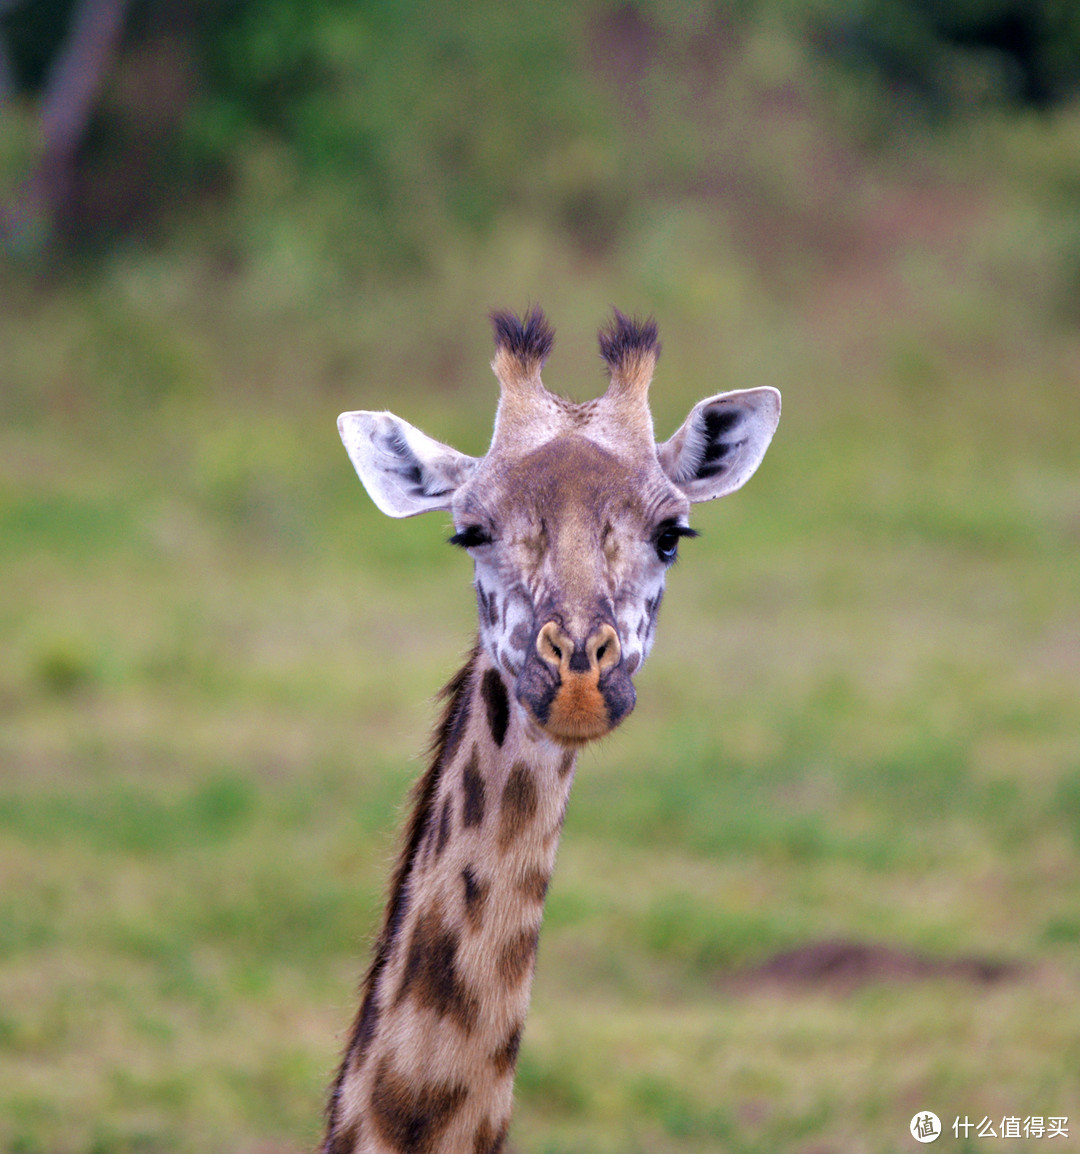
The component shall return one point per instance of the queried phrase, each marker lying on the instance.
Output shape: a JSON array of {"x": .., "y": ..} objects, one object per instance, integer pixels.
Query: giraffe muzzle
[{"x": 576, "y": 690}]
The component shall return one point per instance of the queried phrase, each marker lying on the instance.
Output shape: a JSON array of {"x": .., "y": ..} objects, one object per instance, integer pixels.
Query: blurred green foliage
[
  {"x": 948, "y": 56},
  {"x": 414, "y": 119},
  {"x": 422, "y": 116}
]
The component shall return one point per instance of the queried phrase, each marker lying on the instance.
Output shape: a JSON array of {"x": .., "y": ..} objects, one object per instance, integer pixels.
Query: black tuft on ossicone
[
  {"x": 528, "y": 339},
  {"x": 624, "y": 337}
]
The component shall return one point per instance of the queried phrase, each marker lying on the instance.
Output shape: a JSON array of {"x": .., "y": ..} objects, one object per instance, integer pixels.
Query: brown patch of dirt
[{"x": 841, "y": 966}]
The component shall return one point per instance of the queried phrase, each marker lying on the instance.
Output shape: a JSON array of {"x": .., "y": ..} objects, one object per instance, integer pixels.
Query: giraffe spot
[
  {"x": 534, "y": 884},
  {"x": 444, "y": 828},
  {"x": 632, "y": 662},
  {"x": 430, "y": 976},
  {"x": 519, "y": 802},
  {"x": 519, "y": 637},
  {"x": 505, "y": 1057},
  {"x": 493, "y": 610},
  {"x": 517, "y": 957},
  {"x": 498, "y": 705},
  {"x": 567, "y": 762},
  {"x": 485, "y": 1138},
  {"x": 476, "y": 893},
  {"x": 475, "y": 791},
  {"x": 411, "y": 1118},
  {"x": 344, "y": 1141},
  {"x": 488, "y": 1140},
  {"x": 489, "y": 607}
]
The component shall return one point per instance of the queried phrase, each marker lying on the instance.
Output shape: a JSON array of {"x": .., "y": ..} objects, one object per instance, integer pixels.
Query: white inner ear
[
  {"x": 404, "y": 470},
  {"x": 721, "y": 443}
]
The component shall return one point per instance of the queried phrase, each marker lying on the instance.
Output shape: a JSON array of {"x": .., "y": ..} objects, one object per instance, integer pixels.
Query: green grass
[{"x": 217, "y": 665}]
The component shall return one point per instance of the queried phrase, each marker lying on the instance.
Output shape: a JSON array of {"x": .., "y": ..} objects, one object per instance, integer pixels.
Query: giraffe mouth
[
  {"x": 578, "y": 711},
  {"x": 579, "y": 707}
]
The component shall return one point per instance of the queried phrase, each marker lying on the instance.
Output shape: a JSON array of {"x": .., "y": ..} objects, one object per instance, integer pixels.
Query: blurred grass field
[{"x": 861, "y": 720}]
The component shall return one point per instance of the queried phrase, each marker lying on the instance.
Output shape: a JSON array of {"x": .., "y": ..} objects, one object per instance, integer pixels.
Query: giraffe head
[{"x": 572, "y": 517}]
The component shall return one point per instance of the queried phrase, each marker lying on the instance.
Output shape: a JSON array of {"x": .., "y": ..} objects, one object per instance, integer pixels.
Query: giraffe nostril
[
  {"x": 553, "y": 647},
  {"x": 605, "y": 648}
]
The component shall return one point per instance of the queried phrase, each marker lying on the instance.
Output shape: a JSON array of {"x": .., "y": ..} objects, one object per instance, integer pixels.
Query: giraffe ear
[
  {"x": 721, "y": 443},
  {"x": 404, "y": 471}
]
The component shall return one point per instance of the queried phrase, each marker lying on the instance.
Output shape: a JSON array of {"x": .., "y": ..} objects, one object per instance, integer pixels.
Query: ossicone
[
  {"x": 630, "y": 348},
  {"x": 524, "y": 341}
]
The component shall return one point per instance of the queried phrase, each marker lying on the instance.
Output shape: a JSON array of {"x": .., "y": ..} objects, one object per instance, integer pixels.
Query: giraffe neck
[{"x": 429, "y": 1067}]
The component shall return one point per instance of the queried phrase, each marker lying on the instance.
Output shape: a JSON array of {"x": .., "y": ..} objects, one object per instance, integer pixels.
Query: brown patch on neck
[
  {"x": 431, "y": 975},
  {"x": 497, "y": 704},
  {"x": 534, "y": 884},
  {"x": 488, "y": 1140},
  {"x": 344, "y": 1141},
  {"x": 411, "y": 1118},
  {"x": 475, "y": 792},
  {"x": 517, "y": 957},
  {"x": 519, "y": 804},
  {"x": 476, "y": 895},
  {"x": 505, "y": 1057}
]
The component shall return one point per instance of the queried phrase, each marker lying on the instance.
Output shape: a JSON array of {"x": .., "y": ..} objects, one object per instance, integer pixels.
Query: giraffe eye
[
  {"x": 471, "y": 537},
  {"x": 666, "y": 540},
  {"x": 667, "y": 546}
]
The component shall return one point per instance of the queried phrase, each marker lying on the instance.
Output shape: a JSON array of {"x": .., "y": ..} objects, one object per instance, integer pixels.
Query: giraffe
[{"x": 572, "y": 519}]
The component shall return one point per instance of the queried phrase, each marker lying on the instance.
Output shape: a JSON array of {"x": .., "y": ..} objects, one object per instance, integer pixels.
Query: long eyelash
[
  {"x": 470, "y": 537},
  {"x": 677, "y": 529}
]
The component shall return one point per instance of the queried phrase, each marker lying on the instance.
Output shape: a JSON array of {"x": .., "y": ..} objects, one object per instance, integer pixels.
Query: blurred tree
[
  {"x": 68, "y": 93},
  {"x": 949, "y": 54},
  {"x": 7, "y": 76}
]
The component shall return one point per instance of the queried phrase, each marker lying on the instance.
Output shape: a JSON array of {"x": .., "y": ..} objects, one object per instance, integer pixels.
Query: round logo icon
[{"x": 925, "y": 1126}]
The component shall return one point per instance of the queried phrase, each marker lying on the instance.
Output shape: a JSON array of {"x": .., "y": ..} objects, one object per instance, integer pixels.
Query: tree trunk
[{"x": 71, "y": 89}]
